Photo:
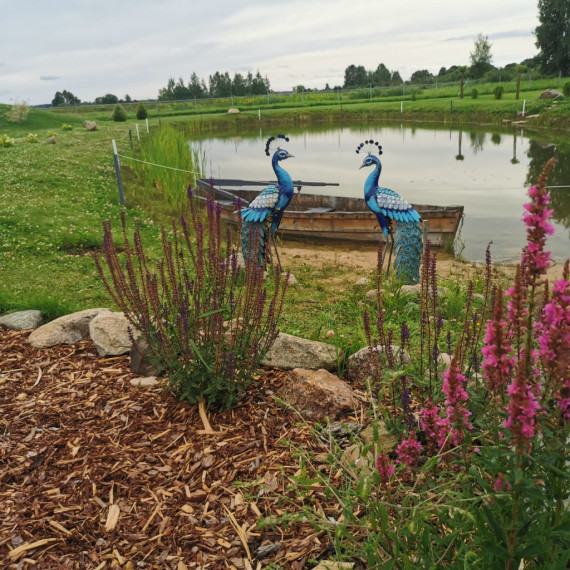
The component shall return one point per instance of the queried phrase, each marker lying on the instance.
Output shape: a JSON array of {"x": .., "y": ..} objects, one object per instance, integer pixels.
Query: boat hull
[{"x": 316, "y": 218}]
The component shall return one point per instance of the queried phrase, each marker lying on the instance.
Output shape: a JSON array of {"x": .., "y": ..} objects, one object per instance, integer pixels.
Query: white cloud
[{"x": 134, "y": 47}]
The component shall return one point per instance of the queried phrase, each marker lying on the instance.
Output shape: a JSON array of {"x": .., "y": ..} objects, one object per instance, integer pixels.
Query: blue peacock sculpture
[
  {"x": 261, "y": 218},
  {"x": 388, "y": 206}
]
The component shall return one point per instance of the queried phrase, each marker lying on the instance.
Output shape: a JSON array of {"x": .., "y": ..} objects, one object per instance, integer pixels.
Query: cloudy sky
[{"x": 132, "y": 47}]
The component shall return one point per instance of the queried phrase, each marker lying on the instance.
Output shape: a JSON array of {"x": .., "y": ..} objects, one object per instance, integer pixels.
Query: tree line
[{"x": 219, "y": 85}]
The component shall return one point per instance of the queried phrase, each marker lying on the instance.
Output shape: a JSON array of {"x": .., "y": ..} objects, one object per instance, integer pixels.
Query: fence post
[
  {"x": 131, "y": 139},
  {"x": 147, "y": 125},
  {"x": 259, "y": 113},
  {"x": 118, "y": 171},
  {"x": 138, "y": 134},
  {"x": 451, "y": 105},
  {"x": 401, "y": 106},
  {"x": 524, "y": 105}
]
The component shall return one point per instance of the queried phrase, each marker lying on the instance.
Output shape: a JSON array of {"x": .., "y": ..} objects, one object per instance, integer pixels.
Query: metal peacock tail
[
  {"x": 387, "y": 205},
  {"x": 261, "y": 219}
]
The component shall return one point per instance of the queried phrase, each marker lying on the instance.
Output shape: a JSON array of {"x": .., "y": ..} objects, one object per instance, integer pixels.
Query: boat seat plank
[{"x": 320, "y": 210}]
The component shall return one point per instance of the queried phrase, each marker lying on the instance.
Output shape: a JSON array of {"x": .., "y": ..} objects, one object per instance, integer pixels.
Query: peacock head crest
[
  {"x": 370, "y": 147},
  {"x": 278, "y": 141}
]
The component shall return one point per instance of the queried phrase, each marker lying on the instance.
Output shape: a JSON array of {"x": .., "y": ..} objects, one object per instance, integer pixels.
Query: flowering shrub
[
  {"x": 480, "y": 477},
  {"x": 66, "y": 127},
  {"x": 207, "y": 321},
  {"x": 31, "y": 138},
  {"x": 18, "y": 113}
]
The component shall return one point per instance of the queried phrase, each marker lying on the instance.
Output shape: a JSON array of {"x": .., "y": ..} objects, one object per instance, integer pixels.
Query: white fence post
[
  {"x": 147, "y": 126},
  {"x": 138, "y": 134},
  {"x": 524, "y": 105}
]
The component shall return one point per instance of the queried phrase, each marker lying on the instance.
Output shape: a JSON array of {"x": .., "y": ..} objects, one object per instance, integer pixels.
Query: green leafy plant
[
  {"x": 474, "y": 93},
  {"x": 119, "y": 114},
  {"x": 6, "y": 141},
  {"x": 566, "y": 89},
  {"x": 207, "y": 321},
  {"x": 142, "y": 113},
  {"x": 499, "y": 90},
  {"x": 31, "y": 138},
  {"x": 66, "y": 127}
]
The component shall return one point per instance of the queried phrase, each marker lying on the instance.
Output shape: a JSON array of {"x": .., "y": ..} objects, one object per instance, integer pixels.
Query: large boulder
[
  {"x": 289, "y": 352},
  {"x": 65, "y": 330},
  {"x": 318, "y": 394},
  {"x": 22, "y": 320},
  {"x": 110, "y": 334},
  {"x": 368, "y": 363}
]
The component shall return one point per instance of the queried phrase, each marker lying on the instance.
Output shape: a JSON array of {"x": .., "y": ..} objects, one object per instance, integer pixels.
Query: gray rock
[
  {"x": 411, "y": 289},
  {"x": 144, "y": 382},
  {"x": 22, "y": 320},
  {"x": 318, "y": 394},
  {"x": 367, "y": 364},
  {"x": 386, "y": 441},
  {"x": 110, "y": 333},
  {"x": 142, "y": 360},
  {"x": 551, "y": 94},
  {"x": 65, "y": 330},
  {"x": 362, "y": 282},
  {"x": 289, "y": 352},
  {"x": 371, "y": 295}
]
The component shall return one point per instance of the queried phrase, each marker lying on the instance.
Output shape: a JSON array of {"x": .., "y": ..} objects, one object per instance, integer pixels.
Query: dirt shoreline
[{"x": 363, "y": 260}]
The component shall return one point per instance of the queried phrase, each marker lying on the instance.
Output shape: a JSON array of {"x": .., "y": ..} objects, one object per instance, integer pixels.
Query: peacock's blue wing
[
  {"x": 261, "y": 207},
  {"x": 391, "y": 205}
]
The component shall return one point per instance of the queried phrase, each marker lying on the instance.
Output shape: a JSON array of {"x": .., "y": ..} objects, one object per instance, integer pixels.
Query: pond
[{"x": 487, "y": 172}]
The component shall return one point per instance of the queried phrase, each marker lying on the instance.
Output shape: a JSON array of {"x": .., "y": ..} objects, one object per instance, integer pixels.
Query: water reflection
[{"x": 426, "y": 166}]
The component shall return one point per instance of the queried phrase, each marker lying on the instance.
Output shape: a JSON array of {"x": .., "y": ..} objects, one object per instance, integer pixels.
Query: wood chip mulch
[{"x": 95, "y": 473}]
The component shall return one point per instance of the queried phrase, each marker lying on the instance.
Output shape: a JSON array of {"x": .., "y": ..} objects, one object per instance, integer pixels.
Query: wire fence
[{"x": 404, "y": 91}]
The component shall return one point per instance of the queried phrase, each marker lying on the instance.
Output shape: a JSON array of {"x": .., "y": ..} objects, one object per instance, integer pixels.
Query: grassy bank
[{"x": 56, "y": 196}]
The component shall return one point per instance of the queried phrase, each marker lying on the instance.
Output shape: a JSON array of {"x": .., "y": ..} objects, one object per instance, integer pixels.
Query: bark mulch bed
[{"x": 95, "y": 473}]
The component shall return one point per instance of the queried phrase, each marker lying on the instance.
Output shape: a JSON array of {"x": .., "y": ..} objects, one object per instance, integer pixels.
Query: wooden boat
[{"x": 316, "y": 218}]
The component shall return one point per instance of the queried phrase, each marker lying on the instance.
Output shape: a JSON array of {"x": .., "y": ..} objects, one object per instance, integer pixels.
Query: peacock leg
[
  {"x": 391, "y": 238},
  {"x": 276, "y": 252}
]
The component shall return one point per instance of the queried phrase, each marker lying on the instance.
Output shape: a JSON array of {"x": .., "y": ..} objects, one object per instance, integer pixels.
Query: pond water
[{"x": 488, "y": 173}]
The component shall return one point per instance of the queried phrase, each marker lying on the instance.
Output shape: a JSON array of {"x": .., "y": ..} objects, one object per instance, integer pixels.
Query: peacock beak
[{"x": 361, "y": 166}]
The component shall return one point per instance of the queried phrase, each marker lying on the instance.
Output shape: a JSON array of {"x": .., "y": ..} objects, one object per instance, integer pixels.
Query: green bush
[
  {"x": 66, "y": 127},
  {"x": 142, "y": 113},
  {"x": 474, "y": 93},
  {"x": 31, "y": 138},
  {"x": 6, "y": 141},
  {"x": 119, "y": 114},
  {"x": 499, "y": 90},
  {"x": 566, "y": 89}
]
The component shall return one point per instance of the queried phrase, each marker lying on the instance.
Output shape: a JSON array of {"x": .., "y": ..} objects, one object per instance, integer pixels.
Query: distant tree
[
  {"x": 57, "y": 100},
  {"x": 327, "y": 87},
  {"x": 238, "y": 85},
  {"x": 442, "y": 71},
  {"x": 127, "y": 98},
  {"x": 355, "y": 76},
  {"x": 422, "y": 76},
  {"x": 553, "y": 36},
  {"x": 381, "y": 76},
  {"x": 396, "y": 78},
  {"x": 299, "y": 89},
  {"x": 480, "y": 57},
  {"x": 108, "y": 99}
]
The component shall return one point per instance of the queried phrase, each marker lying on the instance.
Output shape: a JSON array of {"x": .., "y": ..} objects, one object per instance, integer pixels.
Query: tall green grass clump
[
  {"x": 169, "y": 165},
  {"x": 208, "y": 321}
]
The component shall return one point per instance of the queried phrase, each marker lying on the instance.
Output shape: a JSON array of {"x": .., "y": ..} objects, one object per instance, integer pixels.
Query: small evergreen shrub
[
  {"x": 66, "y": 127},
  {"x": 31, "y": 138},
  {"x": 119, "y": 114},
  {"x": 566, "y": 89},
  {"x": 474, "y": 93},
  {"x": 142, "y": 113},
  {"x": 499, "y": 90},
  {"x": 6, "y": 141}
]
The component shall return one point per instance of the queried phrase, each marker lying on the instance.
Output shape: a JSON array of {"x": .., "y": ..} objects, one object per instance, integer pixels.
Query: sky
[{"x": 92, "y": 48}]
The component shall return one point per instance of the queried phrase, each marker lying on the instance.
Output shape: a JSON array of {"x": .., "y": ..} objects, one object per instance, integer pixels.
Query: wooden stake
[{"x": 204, "y": 417}]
